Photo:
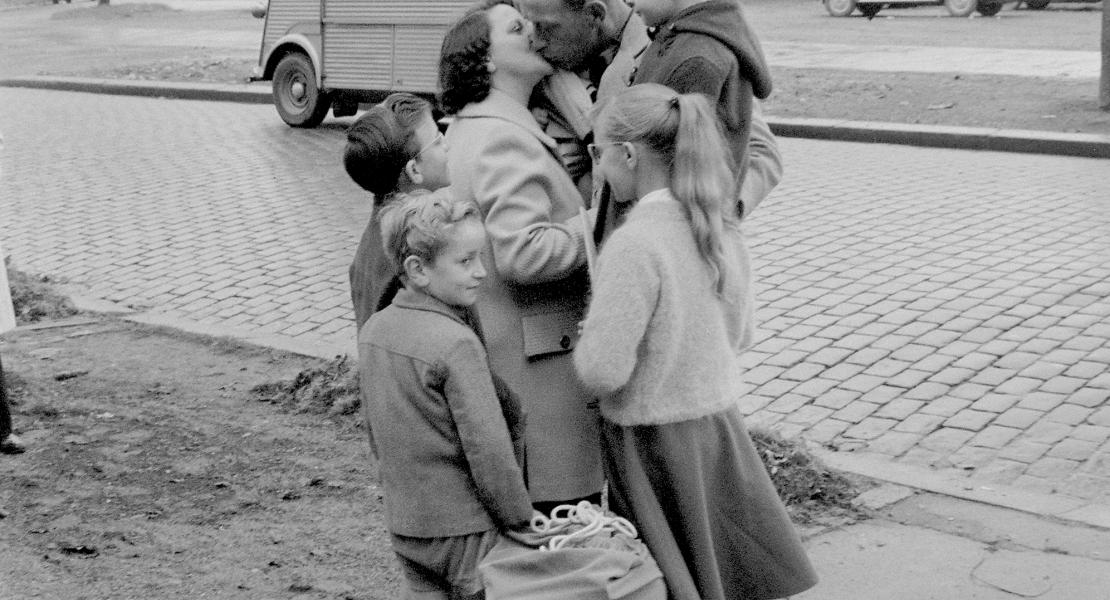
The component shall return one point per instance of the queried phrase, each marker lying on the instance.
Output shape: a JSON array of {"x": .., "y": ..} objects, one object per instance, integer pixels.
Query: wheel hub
[{"x": 297, "y": 91}]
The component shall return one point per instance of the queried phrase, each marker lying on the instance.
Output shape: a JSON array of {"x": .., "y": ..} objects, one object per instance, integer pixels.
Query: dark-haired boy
[{"x": 395, "y": 147}]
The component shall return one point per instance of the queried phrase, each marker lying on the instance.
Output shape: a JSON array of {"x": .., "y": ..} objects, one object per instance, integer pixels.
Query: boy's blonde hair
[
  {"x": 683, "y": 129},
  {"x": 417, "y": 224}
]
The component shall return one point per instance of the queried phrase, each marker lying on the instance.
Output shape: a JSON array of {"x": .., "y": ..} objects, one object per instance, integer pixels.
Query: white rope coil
[{"x": 581, "y": 521}]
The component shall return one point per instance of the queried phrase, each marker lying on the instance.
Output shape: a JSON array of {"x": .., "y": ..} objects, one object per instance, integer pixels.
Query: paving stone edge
[{"x": 964, "y": 138}]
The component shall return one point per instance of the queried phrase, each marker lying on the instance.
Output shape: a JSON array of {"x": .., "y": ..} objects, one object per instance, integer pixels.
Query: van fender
[{"x": 296, "y": 42}]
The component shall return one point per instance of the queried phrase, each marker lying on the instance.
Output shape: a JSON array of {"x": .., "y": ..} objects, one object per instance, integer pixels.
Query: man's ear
[
  {"x": 412, "y": 171},
  {"x": 414, "y": 268},
  {"x": 596, "y": 10}
]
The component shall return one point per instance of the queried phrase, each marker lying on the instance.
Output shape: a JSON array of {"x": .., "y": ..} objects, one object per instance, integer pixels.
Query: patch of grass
[
  {"x": 331, "y": 389},
  {"x": 35, "y": 298},
  {"x": 194, "y": 69},
  {"x": 812, "y": 492}
]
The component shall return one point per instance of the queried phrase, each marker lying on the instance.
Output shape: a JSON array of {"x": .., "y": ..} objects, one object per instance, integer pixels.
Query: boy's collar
[{"x": 415, "y": 299}]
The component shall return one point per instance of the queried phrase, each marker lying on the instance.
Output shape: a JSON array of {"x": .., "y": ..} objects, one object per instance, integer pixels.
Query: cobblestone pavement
[{"x": 940, "y": 307}]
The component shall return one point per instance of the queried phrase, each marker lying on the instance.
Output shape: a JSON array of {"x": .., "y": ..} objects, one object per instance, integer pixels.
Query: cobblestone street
[{"x": 938, "y": 307}]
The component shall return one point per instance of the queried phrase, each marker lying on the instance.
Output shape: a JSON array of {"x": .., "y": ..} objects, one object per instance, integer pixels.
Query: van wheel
[
  {"x": 987, "y": 8},
  {"x": 869, "y": 9},
  {"x": 840, "y": 8},
  {"x": 299, "y": 102},
  {"x": 960, "y": 8},
  {"x": 1036, "y": 4}
]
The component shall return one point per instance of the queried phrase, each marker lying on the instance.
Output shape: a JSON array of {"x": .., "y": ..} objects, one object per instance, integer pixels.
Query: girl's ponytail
[
  {"x": 702, "y": 180},
  {"x": 683, "y": 129}
]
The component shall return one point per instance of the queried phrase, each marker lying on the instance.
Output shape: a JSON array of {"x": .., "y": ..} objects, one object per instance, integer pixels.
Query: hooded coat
[{"x": 709, "y": 48}]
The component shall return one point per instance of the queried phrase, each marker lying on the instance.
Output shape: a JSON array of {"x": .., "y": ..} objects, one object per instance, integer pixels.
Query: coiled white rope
[{"x": 588, "y": 519}]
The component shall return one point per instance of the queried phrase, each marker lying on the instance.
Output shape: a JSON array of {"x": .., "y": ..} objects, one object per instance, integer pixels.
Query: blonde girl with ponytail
[{"x": 670, "y": 313}]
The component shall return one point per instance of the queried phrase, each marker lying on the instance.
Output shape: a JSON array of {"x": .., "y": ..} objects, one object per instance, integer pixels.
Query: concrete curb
[
  {"x": 252, "y": 93},
  {"x": 939, "y": 136},
  {"x": 85, "y": 302},
  {"x": 932, "y": 136},
  {"x": 954, "y": 483}
]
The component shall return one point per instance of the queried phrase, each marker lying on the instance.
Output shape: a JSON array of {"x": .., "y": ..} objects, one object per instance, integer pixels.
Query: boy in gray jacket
[{"x": 446, "y": 459}]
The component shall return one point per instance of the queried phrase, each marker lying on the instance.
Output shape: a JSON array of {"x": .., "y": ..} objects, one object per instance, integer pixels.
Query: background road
[
  {"x": 795, "y": 33},
  {"x": 937, "y": 307}
]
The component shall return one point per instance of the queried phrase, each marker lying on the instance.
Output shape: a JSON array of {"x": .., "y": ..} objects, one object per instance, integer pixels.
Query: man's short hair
[{"x": 380, "y": 143}]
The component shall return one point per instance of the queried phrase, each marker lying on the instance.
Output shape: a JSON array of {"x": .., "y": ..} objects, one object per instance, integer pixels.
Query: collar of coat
[
  {"x": 418, "y": 300},
  {"x": 499, "y": 105}
]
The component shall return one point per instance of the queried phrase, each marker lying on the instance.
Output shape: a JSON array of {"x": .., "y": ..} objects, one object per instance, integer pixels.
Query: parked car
[
  {"x": 335, "y": 54},
  {"x": 956, "y": 8}
]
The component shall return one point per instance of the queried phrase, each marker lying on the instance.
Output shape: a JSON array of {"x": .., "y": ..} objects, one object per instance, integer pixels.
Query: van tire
[
  {"x": 961, "y": 8},
  {"x": 297, "y": 98},
  {"x": 1036, "y": 4},
  {"x": 840, "y": 8}
]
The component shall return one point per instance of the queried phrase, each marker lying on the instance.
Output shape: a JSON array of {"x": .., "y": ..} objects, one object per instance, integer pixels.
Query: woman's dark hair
[{"x": 463, "y": 62}]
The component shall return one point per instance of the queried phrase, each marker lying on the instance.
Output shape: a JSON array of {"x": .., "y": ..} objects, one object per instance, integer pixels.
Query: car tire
[
  {"x": 960, "y": 8},
  {"x": 840, "y": 8},
  {"x": 296, "y": 96},
  {"x": 988, "y": 8},
  {"x": 1036, "y": 4},
  {"x": 869, "y": 9}
]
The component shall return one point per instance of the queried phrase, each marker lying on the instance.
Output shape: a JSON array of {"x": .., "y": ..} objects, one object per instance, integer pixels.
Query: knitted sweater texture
[{"x": 658, "y": 344}]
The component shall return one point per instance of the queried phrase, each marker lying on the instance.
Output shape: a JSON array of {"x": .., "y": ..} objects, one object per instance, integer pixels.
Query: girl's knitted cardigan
[{"x": 658, "y": 345}]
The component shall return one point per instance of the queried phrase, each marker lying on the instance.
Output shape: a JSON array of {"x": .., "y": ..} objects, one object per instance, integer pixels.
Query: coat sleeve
[
  {"x": 700, "y": 75},
  {"x": 697, "y": 75},
  {"x": 484, "y": 435},
  {"x": 764, "y": 163},
  {"x": 625, "y": 294},
  {"x": 515, "y": 178}
]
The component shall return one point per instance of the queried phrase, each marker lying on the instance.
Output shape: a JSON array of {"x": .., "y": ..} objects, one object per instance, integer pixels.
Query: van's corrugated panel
[
  {"x": 406, "y": 12},
  {"x": 282, "y": 14},
  {"x": 358, "y": 58},
  {"x": 416, "y": 57}
]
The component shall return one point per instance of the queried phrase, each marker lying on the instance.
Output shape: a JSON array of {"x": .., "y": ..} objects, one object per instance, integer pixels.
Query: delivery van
[{"x": 336, "y": 54}]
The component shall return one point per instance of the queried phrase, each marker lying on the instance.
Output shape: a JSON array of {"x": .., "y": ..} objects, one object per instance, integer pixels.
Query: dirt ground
[{"x": 169, "y": 479}]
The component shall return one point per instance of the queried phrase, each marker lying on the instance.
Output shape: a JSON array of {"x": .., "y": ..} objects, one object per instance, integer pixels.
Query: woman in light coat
[{"x": 535, "y": 295}]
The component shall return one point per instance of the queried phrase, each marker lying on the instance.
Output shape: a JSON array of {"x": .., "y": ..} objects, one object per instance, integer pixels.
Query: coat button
[{"x": 564, "y": 342}]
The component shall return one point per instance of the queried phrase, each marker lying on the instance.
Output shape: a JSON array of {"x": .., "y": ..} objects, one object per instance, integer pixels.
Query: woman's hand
[{"x": 575, "y": 159}]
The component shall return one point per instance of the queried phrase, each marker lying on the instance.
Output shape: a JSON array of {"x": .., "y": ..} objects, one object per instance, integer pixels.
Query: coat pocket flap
[{"x": 550, "y": 333}]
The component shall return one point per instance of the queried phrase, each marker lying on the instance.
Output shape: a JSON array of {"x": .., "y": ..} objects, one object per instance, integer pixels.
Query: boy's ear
[
  {"x": 414, "y": 270},
  {"x": 412, "y": 171}
]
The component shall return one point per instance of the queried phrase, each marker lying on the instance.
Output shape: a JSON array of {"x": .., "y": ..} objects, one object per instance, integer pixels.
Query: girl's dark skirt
[{"x": 706, "y": 508}]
